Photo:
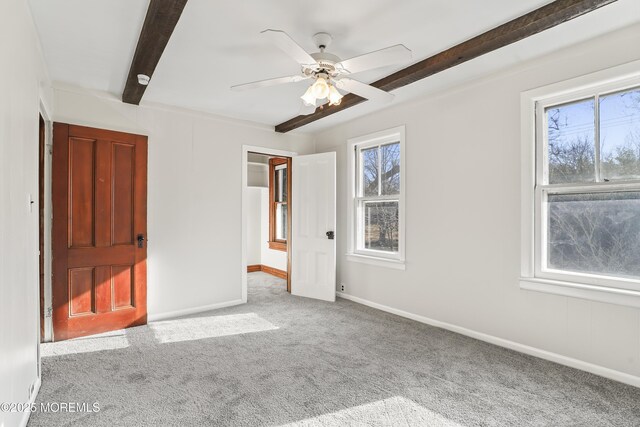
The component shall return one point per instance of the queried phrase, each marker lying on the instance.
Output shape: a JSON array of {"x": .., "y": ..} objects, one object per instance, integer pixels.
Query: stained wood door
[
  {"x": 99, "y": 230},
  {"x": 312, "y": 244}
]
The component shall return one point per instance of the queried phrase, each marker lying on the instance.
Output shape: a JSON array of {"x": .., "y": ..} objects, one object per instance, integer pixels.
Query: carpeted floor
[{"x": 285, "y": 360}]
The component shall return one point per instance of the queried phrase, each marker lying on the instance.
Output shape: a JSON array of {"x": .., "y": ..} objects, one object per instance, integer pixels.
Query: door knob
[
  {"x": 140, "y": 239},
  {"x": 330, "y": 235}
]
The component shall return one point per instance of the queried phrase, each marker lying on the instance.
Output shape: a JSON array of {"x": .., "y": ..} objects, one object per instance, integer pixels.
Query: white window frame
[
  {"x": 354, "y": 226},
  {"x": 534, "y": 274}
]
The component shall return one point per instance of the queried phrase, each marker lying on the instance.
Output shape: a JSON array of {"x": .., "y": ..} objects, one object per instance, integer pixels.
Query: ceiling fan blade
[
  {"x": 364, "y": 90},
  {"x": 268, "y": 82},
  {"x": 289, "y": 46},
  {"x": 379, "y": 58}
]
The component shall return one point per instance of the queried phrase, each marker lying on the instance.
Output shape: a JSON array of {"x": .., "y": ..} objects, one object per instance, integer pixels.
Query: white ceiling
[{"x": 217, "y": 44}]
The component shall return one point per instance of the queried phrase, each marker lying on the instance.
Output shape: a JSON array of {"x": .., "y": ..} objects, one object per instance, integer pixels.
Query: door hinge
[{"x": 49, "y": 311}]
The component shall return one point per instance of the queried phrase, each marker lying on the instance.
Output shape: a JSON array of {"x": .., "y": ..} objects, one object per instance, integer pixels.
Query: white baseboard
[
  {"x": 532, "y": 351},
  {"x": 26, "y": 414},
  {"x": 184, "y": 312}
]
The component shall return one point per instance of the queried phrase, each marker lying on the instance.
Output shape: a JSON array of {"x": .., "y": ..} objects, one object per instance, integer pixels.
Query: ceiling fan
[{"x": 328, "y": 72}]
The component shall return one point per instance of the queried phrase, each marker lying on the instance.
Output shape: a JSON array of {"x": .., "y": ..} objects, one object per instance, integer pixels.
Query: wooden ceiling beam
[
  {"x": 527, "y": 25},
  {"x": 159, "y": 23}
]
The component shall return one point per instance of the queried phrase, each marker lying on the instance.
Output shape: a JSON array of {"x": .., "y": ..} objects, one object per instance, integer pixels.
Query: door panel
[
  {"x": 81, "y": 192},
  {"x": 313, "y": 254},
  {"x": 123, "y": 158},
  {"x": 99, "y": 207},
  {"x": 122, "y": 286},
  {"x": 81, "y": 291}
]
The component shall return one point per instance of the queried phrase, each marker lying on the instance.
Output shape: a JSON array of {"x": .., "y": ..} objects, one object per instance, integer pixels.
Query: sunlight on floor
[
  {"x": 395, "y": 411},
  {"x": 208, "y": 327},
  {"x": 107, "y": 341}
]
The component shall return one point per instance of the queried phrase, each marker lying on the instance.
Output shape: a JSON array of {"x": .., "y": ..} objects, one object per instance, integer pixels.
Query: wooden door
[
  {"x": 99, "y": 230},
  {"x": 312, "y": 243}
]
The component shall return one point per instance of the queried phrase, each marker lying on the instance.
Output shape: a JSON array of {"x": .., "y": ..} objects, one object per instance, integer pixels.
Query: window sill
[
  {"x": 380, "y": 262},
  {"x": 278, "y": 246},
  {"x": 577, "y": 290}
]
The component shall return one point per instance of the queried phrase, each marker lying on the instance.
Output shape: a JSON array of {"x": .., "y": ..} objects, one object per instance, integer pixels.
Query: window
[
  {"x": 279, "y": 184},
  {"x": 586, "y": 190},
  {"x": 377, "y": 183}
]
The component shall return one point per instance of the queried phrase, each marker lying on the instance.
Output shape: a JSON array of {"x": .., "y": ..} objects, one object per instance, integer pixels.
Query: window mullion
[
  {"x": 596, "y": 107},
  {"x": 605, "y": 187},
  {"x": 379, "y": 170},
  {"x": 358, "y": 181},
  {"x": 391, "y": 198}
]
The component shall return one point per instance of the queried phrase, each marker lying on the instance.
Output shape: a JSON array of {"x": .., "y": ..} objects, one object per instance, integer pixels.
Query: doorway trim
[
  {"x": 47, "y": 217},
  {"x": 246, "y": 149}
]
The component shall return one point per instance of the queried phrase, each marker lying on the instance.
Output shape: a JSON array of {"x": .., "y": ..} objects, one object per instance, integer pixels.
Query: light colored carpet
[{"x": 285, "y": 360}]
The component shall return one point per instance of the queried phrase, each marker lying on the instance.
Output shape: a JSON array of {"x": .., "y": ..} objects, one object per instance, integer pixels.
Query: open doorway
[
  {"x": 268, "y": 212},
  {"x": 311, "y": 220},
  {"x": 266, "y": 218}
]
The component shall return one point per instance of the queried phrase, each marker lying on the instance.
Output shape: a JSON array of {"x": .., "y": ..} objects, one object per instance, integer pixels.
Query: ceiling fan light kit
[
  {"x": 321, "y": 89},
  {"x": 309, "y": 98},
  {"x": 328, "y": 72},
  {"x": 335, "y": 97}
]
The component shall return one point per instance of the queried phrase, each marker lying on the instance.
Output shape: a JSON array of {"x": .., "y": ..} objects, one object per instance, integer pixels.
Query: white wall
[
  {"x": 22, "y": 73},
  {"x": 195, "y": 193},
  {"x": 254, "y": 225},
  {"x": 269, "y": 257},
  {"x": 257, "y": 175},
  {"x": 463, "y": 215}
]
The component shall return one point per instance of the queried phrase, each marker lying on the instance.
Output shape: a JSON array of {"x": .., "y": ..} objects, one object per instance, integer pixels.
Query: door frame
[
  {"x": 44, "y": 312},
  {"x": 246, "y": 149}
]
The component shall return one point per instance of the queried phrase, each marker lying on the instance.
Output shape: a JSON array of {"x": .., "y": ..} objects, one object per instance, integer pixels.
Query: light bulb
[
  {"x": 320, "y": 88},
  {"x": 334, "y": 96},
  {"x": 309, "y": 98}
]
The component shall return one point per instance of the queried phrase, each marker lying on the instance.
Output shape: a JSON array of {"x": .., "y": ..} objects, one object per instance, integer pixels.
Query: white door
[{"x": 313, "y": 223}]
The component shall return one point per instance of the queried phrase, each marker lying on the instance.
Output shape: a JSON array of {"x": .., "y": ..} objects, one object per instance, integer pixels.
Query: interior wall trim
[
  {"x": 32, "y": 400},
  {"x": 154, "y": 317},
  {"x": 501, "y": 342},
  {"x": 269, "y": 270}
]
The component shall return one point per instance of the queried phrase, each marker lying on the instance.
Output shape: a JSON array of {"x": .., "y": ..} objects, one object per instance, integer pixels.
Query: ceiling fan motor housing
[{"x": 325, "y": 62}]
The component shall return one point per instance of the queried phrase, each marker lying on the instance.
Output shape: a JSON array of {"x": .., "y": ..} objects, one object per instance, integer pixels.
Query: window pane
[
  {"x": 281, "y": 222},
  {"x": 390, "y": 169},
  {"x": 571, "y": 148},
  {"x": 381, "y": 226},
  {"x": 281, "y": 185},
  {"x": 595, "y": 233},
  {"x": 369, "y": 159},
  {"x": 620, "y": 135}
]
